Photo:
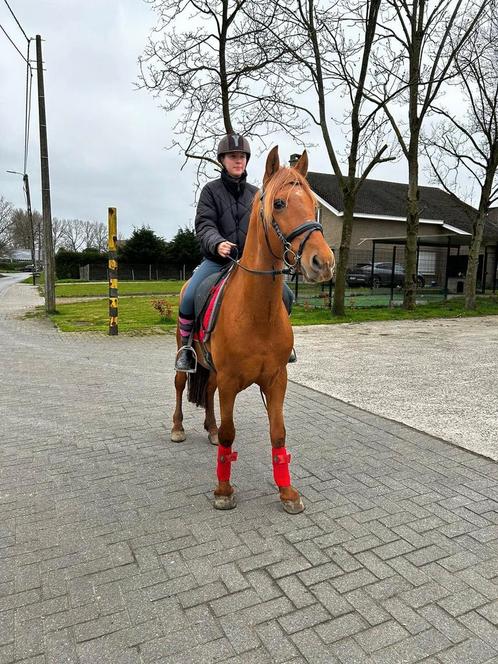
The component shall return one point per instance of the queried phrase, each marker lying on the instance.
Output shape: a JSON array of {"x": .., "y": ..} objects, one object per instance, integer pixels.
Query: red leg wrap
[
  {"x": 280, "y": 459},
  {"x": 224, "y": 466}
]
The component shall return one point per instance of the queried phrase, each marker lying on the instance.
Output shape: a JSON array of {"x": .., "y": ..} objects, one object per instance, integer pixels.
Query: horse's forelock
[{"x": 282, "y": 177}]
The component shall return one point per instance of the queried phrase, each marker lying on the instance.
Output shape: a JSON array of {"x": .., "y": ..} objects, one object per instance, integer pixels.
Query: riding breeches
[{"x": 201, "y": 272}]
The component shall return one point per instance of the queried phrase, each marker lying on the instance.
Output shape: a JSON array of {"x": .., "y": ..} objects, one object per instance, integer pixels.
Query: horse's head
[{"x": 288, "y": 212}]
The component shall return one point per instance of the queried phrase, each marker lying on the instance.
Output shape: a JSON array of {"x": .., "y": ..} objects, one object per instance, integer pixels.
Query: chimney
[{"x": 294, "y": 159}]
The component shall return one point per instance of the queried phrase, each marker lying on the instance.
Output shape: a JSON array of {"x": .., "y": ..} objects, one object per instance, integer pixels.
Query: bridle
[{"x": 291, "y": 259}]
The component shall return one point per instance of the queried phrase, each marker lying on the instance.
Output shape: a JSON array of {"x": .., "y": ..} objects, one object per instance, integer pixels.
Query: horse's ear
[
  {"x": 272, "y": 165},
  {"x": 301, "y": 164}
]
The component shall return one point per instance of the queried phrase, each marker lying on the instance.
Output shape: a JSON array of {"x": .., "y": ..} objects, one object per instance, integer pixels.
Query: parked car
[{"x": 361, "y": 275}]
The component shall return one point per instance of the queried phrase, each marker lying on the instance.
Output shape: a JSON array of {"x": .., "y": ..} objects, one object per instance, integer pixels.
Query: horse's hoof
[
  {"x": 225, "y": 502},
  {"x": 178, "y": 436},
  {"x": 293, "y": 506},
  {"x": 213, "y": 438}
]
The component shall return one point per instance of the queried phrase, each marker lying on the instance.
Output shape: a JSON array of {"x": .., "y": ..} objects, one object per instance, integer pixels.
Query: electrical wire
[
  {"x": 13, "y": 44},
  {"x": 15, "y": 19}
]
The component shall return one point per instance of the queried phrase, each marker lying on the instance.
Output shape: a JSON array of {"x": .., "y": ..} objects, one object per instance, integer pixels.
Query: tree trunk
[
  {"x": 340, "y": 280},
  {"x": 473, "y": 263},
  {"x": 224, "y": 88},
  {"x": 412, "y": 223},
  {"x": 477, "y": 233}
]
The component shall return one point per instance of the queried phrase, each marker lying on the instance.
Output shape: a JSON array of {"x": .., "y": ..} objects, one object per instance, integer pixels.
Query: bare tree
[
  {"x": 99, "y": 237},
  {"x": 422, "y": 40},
  {"x": 5, "y": 224},
  {"x": 468, "y": 145},
  {"x": 74, "y": 235},
  {"x": 208, "y": 63},
  {"x": 58, "y": 232},
  {"x": 330, "y": 45}
]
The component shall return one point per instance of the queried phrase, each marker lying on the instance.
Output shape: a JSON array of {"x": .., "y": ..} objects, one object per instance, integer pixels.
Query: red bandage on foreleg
[
  {"x": 280, "y": 459},
  {"x": 224, "y": 466}
]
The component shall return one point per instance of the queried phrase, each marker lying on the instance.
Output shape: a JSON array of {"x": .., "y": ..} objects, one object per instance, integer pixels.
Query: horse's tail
[{"x": 197, "y": 386}]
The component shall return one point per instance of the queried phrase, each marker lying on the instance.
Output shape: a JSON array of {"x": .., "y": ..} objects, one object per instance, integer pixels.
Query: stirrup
[
  {"x": 292, "y": 357},
  {"x": 191, "y": 354}
]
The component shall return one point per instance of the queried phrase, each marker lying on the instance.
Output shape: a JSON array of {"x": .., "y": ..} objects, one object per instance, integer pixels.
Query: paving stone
[
  {"x": 381, "y": 636},
  {"x": 303, "y": 618},
  {"x": 481, "y": 628},
  {"x": 353, "y": 580},
  {"x": 490, "y": 612},
  {"x": 296, "y": 591},
  {"x": 473, "y": 651},
  {"x": 334, "y": 602},
  {"x": 418, "y": 648},
  {"x": 313, "y": 648},
  {"x": 463, "y": 601},
  {"x": 446, "y": 624},
  {"x": 405, "y": 615},
  {"x": 366, "y": 607},
  {"x": 341, "y": 627},
  {"x": 275, "y": 641}
]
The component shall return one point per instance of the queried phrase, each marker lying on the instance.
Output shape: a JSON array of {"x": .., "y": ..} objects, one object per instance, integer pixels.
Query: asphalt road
[{"x": 7, "y": 279}]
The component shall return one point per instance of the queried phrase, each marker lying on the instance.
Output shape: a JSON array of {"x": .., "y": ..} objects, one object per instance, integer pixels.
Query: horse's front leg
[
  {"x": 275, "y": 394},
  {"x": 210, "y": 419},
  {"x": 178, "y": 432},
  {"x": 224, "y": 498}
]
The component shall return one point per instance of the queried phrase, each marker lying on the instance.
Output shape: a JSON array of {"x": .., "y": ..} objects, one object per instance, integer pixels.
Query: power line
[
  {"x": 15, "y": 19},
  {"x": 13, "y": 44}
]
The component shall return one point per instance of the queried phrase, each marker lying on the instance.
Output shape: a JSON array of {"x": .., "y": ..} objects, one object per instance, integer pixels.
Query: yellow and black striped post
[{"x": 112, "y": 223}]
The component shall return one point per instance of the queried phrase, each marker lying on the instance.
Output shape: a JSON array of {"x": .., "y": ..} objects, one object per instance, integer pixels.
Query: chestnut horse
[{"x": 253, "y": 337}]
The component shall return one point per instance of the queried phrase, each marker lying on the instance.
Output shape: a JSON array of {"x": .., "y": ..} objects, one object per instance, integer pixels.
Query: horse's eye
[{"x": 279, "y": 204}]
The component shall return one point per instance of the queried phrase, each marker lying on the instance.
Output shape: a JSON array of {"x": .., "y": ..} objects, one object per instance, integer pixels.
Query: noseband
[{"x": 291, "y": 259}]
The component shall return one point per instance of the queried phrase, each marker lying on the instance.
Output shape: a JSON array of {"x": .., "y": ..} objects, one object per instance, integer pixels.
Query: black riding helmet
[{"x": 234, "y": 143}]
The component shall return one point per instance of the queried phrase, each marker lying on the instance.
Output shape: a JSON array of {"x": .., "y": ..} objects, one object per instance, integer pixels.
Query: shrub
[{"x": 164, "y": 308}]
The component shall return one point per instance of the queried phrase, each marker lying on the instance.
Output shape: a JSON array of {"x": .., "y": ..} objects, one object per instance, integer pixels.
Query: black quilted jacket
[{"x": 223, "y": 216}]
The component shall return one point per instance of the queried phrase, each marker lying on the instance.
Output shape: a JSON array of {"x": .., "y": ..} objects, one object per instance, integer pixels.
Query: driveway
[
  {"x": 111, "y": 551},
  {"x": 438, "y": 376}
]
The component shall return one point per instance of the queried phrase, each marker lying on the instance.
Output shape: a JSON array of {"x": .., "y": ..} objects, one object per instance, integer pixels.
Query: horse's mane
[{"x": 284, "y": 176}]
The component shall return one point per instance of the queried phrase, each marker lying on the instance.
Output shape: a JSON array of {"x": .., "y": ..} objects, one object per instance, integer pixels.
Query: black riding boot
[
  {"x": 292, "y": 357},
  {"x": 186, "y": 358}
]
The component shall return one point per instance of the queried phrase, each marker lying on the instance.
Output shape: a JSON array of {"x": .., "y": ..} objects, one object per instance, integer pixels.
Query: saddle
[
  {"x": 209, "y": 296},
  {"x": 207, "y": 302}
]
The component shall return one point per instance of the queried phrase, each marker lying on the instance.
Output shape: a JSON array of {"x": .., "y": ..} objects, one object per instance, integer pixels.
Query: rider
[{"x": 221, "y": 224}]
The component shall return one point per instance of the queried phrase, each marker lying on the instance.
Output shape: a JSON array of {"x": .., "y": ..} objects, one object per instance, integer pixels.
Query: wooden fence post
[{"x": 112, "y": 223}]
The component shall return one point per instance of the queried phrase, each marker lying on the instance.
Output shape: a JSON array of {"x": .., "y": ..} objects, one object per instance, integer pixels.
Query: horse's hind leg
[
  {"x": 275, "y": 394},
  {"x": 178, "y": 432},
  {"x": 223, "y": 494},
  {"x": 210, "y": 419}
]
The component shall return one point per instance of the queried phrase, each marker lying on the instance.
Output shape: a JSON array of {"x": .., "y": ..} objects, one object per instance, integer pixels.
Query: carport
[{"x": 447, "y": 241}]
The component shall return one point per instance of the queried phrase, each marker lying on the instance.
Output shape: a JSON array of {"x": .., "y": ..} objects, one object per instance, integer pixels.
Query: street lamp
[{"x": 30, "y": 217}]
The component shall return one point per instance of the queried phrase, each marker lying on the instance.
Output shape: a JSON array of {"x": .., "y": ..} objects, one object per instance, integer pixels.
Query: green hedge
[{"x": 67, "y": 263}]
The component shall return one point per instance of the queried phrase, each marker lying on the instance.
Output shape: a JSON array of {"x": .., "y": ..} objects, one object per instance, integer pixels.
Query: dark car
[
  {"x": 361, "y": 275},
  {"x": 28, "y": 268}
]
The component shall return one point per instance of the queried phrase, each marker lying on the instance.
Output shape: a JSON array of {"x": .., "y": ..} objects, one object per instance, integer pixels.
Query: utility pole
[
  {"x": 48, "y": 241},
  {"x": 32, "y": 226},
  {"x": 25, "y": 180}
]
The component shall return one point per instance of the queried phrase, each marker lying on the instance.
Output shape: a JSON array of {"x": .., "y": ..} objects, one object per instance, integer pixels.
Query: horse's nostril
[{"x": 316, "y": 263}]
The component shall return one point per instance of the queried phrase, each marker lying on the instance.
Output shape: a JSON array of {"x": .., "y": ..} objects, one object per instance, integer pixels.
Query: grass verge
[
  {"x": 138, "y": 315},
  {"x": 101, "y": 288}
]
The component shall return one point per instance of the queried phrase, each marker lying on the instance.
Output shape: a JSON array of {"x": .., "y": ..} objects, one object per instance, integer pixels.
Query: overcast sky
[{"x": 106, "y": 139}]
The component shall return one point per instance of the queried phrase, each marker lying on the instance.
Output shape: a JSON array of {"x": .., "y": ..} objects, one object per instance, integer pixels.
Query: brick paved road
[{"x": 111, "y": 551}]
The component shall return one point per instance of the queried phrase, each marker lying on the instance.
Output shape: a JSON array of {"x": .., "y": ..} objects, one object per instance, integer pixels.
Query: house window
[{"x": 427, "y": 262}]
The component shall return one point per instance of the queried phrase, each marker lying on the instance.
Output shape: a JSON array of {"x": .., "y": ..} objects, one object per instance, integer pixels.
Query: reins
[{"x": 307, "y": 227}]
